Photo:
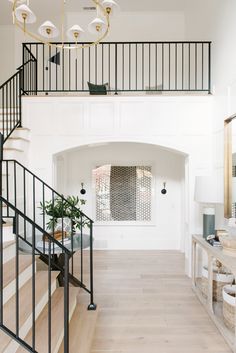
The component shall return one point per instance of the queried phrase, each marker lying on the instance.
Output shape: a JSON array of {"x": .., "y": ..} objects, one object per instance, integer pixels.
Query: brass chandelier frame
[{"x": 36, "y": 37}]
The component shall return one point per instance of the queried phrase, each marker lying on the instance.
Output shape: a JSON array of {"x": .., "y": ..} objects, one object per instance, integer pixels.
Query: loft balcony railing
[{"x": 123, "y": 67}]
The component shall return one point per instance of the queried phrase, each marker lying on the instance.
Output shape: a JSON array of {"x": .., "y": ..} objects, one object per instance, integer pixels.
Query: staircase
[
  {"x": 40, "y": 287},
  {"x": 82, "y": 322}
]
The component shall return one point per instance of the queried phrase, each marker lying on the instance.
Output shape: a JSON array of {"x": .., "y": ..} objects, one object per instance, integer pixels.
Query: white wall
[
  {"x": 178, "y": 123},
  {"x": 165, "y": 231},
  {"x": 7, "y": 59},
  {"x": 217, "y": 24},
  {"x": 137, "y": 26}
]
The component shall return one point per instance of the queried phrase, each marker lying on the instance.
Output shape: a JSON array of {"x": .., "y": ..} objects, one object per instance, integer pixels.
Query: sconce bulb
[
  {"x": 164, "y": 191},
  {"x": 82, "y": 191}
]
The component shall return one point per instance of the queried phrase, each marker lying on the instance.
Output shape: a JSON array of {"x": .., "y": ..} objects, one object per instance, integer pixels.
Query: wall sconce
[
  {"x": 164, "y": 191},
  {"x": 82, "y": 191}
]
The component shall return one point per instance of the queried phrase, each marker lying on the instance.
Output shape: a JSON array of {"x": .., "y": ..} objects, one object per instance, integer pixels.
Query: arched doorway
[{"x": 165, "y": 230}]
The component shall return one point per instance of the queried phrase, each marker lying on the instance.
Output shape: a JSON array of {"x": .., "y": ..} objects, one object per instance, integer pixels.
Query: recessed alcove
[{"x": 164, "y": 229}]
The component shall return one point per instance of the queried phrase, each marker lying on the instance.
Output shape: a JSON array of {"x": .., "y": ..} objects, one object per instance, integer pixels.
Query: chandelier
[{"x": 23, "y": 17}]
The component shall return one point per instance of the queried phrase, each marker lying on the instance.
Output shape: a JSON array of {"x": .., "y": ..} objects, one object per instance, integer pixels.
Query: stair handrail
[{"x": 29, "y": 206}]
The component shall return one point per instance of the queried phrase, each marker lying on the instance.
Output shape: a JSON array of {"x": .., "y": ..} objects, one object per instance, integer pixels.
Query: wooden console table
[{"x": 214, "y": 309}]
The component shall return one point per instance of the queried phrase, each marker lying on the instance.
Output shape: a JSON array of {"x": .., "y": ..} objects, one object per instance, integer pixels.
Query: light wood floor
[{"x": 146, "y": 305}]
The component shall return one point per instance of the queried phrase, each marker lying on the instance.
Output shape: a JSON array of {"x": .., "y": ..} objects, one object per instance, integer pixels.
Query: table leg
[
  {"x": 210, "y": 283},
  {"x": 194, "y": 247},
  {"x": 57, "y": 260}
]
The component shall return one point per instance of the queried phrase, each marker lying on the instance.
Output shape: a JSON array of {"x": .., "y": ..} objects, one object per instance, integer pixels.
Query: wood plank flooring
[{"x": 146, "y": 305}]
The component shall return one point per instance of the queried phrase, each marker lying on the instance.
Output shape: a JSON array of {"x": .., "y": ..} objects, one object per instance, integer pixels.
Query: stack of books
[{"x": 215, "y": 243}]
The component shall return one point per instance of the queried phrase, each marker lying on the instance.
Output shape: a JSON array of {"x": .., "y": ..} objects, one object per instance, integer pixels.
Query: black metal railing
[
  {"x": 124, "y": 66},
  {"x": 53, "y": 213},
  {"x": 12, "y": 327},
  {"x": 24, "y": 81},
  {"x": 24, "y": 199}
]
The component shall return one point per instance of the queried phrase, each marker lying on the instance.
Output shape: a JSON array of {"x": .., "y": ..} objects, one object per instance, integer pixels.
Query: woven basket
[
  {"x": 219, "y": 281},
  {"x": 229, "y": 304}
]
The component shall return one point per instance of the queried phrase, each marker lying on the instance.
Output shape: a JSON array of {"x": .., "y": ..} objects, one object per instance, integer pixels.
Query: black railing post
[
  {"x": 1, "y": 263},
  {"x": 1, "y": 160},
  {"x": 66, "y": 304},
  {"x": 20, "y": 93},
  {"x": 116, "y": 69},
  {"x": 1, "y": 233},
  {"x": 91, "y": 306},
  {"x": 1, "y": 150},
  {"x": 209, "y": 69},
  {"x": 36, "y": 76}
]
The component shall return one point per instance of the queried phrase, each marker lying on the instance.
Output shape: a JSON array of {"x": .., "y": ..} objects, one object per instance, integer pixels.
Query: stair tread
[
  {"x": 12, "y": 149},
  {"x": 17, "y": 138},
  {"x": 82, "y": 329},
  {"x": 25, "y": 304},
  {"x": 7, "y": 244},
  {"x": 9, "y": 268},
  {"x": 57, "y": 332},
  {"x": 19, "y": 128}
]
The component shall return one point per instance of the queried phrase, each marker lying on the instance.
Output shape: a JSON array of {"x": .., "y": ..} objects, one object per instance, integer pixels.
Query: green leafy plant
[{"x": 62, "y": 207}]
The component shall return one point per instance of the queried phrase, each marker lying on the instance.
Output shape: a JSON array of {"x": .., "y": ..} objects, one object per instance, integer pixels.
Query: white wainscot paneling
[
  {"x": 150, "y": 117},
  {"x": 101, "y": 117},
  {"x": 135, "y": 118},
  {"x": 194, "y": 118},
  {"x": 73, "y": 114},
  {"x": 40, "y": 116}
]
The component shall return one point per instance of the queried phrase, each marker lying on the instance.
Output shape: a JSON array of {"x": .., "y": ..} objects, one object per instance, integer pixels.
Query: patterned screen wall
[{"x": 123, "y": 193}]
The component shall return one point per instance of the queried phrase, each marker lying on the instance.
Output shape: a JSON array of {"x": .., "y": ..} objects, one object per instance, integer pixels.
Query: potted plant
[{"x": 64, "y": 209}]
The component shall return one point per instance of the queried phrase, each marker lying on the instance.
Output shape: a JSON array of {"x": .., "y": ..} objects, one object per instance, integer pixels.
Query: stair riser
[
  {"x": 13, "y": 346},
  {"x": 20, "y": 133},
  {"x": 56, "y": 350},
  {"x": 9, "y": 290},
  {"x": 17, "y": 144},
  {"x": 9, "y": 253},
  {"x": 14, "y": 154},
  {"x": 7, "y": 234}
]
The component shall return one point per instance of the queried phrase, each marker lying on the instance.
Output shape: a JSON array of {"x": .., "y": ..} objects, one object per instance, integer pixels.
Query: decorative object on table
[
  {"x": 229, "y": 305},
  {"x": 220, "y": 232},
  {"x": 58, "y": 235},
  {"x": 164, "y": 191},
  {"x": 82, "y": 191},
  {"x": 207, "y": 191},
  {"x": 229, "y": 245},
  {"x": 215, "y": 243},
  {"x": 221, "y": 277},
  {"x": 60, "y": 210},
  {"x": 228, "y": 241}
]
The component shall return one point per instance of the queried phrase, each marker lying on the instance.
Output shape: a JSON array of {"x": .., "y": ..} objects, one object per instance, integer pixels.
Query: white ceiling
[{"x": 53, "y": 9}]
